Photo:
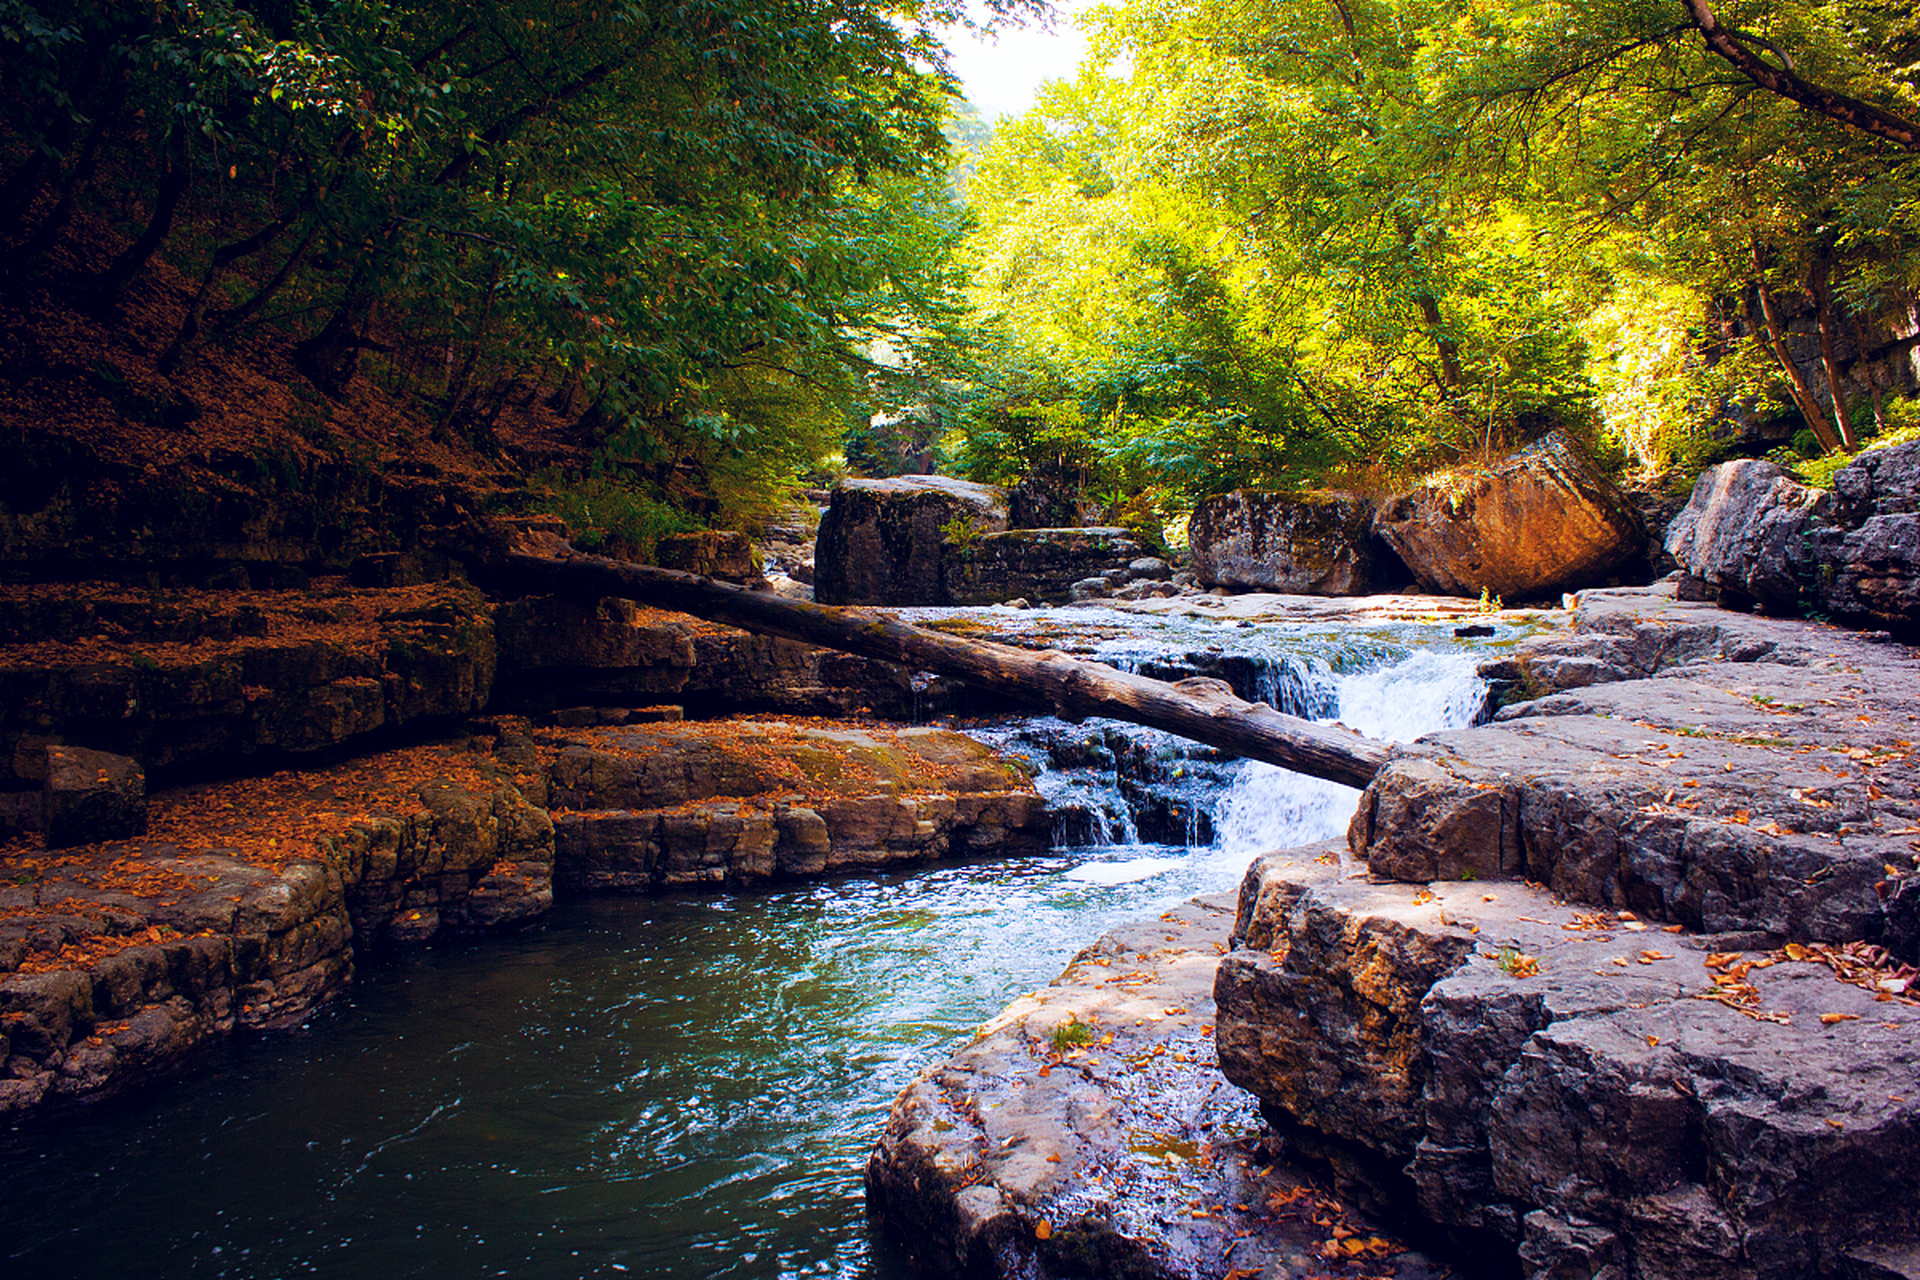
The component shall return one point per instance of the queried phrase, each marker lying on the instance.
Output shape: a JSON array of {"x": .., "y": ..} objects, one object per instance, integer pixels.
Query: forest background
[{"x": 732, "y": 248}]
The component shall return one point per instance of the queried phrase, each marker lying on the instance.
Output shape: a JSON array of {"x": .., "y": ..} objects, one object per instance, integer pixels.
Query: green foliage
[
  {"x": 607, "y": 514},
  {"x": 1071, "y": 1034},
  {"x": 1304, "y": 243},
  {"x": 1903, "y": 427},
  {"x": 695, "y": 220}
]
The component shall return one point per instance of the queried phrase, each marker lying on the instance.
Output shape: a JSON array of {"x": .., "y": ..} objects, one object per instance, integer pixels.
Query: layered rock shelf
[
  {"x": 1618, "y": 985},
  {"x": 248, "y": 904}
]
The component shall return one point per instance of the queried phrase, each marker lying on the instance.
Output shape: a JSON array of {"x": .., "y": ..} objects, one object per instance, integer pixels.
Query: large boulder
[
  {"x": 1751, "y": 532},
  {"x": 1542, "y": 521},
  {"x": 890, "y": 541},
  {"x": 1302, "y": 544},
  {"x": 1745, "y": 532},
  {"x": 1035, "y": 564}
]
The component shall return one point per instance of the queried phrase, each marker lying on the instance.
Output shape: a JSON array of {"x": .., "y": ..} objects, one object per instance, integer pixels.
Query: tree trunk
[
  {"x": 1202, "y": 709},
  {"x": 1802, "y": 393},
  {"x": 1819, "y": 284},
  {"x": 174, "y": 180}
]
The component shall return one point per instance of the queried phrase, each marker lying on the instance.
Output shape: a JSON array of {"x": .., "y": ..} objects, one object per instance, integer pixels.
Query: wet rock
[
  {"x": 1084, "y": 1131},
  {"x": 890, "y": 541},
  {"x": 1041, "y": 564},
  {"x": 91, "y": 796},
  {"x": 1306, "y": 544},
  {"x": 1543, "y": 520}
]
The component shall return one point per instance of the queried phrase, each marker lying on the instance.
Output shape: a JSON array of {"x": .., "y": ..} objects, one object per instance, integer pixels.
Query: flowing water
[{"x": 687, "y": 1086}]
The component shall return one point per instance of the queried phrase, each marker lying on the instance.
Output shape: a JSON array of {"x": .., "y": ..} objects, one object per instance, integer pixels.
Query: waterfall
[
  {"x": 1142, "y": 795},
  {"x": 1267, "y": 807}
]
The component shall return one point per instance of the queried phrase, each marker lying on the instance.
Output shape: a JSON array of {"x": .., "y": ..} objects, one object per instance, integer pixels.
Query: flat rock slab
[
  {"x": 1087, "y": 1131},
  {"x": 1757, "y": 776},
  {"x": 1603, "y": 1092}
]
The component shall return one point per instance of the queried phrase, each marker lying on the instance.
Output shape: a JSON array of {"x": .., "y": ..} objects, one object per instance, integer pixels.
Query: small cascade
[
  {"x": 1268, "y": 807},
  {"x": 1123, "y": 787}
]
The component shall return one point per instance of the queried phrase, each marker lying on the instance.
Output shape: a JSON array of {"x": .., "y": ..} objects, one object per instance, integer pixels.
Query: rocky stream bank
[{"x": 1614, "y": 986}]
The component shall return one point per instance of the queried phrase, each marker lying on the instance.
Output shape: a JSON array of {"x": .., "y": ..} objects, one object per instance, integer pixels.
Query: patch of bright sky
[{"x": 1002, "y": 73}]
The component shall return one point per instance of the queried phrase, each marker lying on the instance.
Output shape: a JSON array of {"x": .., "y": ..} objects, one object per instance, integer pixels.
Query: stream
[{"x": 687, "y": 1085}]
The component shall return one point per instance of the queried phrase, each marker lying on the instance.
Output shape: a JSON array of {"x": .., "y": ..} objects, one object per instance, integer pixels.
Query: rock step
[
  {"x": 246, "y": 907},
  {"x": 1775, "y": 796},
  {"x": 1610, "y": 1097},
  {"x": 658, "y": 805},
  {"x": 1085, "y": 1131},
  {"x": 220, "y": 675}
]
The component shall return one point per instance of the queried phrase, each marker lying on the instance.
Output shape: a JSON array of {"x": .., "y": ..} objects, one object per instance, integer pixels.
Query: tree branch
[{"x": 1733, "y": 46}]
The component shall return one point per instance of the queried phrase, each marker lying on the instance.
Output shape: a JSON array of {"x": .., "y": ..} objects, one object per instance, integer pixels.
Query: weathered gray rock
[
  {"x": 890, "y": 541},
  {"x": 1303, "y": 544},
  {"x": 1750, "y": 532},
  {"x": 1542, "y": 521},
  {"x": 1084, "y": 1132},
  {"x": 1039, "y": 564},
  {"x": 1540, "y": 1073},
  {"x": 90, "y": 796},
  {"x": 1745, "y": 532}
]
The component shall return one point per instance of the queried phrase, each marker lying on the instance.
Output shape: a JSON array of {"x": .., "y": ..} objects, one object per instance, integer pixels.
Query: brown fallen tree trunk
[{"x": 1202, "y": 709}]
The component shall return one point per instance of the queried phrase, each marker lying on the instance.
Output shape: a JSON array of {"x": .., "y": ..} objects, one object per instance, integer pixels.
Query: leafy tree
[{"x": 693, "y": 217}]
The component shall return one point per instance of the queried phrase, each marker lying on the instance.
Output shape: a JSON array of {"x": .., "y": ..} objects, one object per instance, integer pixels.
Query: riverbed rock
[
  {"x": 1038, "y": 564},
  {"x": 1745, "y": 532},
  {"x": 1303, "y": 544},
  {"x": 1084, "y": 1132},
  {"x": 657, "y": 806},
  {"x": 891, "y": 541},
  {"x": 1587, "y": 1003},
  {"x": 1543, "y": 520},
  {"x": 122, "y": 956},
  {"x": 611, "y": 653},
  {"x": 90, "y": 796},
  {"x": 1753, "y": 534}
]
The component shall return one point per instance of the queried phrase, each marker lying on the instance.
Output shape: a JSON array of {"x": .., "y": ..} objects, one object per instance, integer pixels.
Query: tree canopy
[
  {"x": 1271, "y": 242},
  {"x": 1311, "y": 240}
]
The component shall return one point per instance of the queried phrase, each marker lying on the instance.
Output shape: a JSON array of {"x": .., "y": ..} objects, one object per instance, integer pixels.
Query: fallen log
[{"x": 1202, "y": 709}]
